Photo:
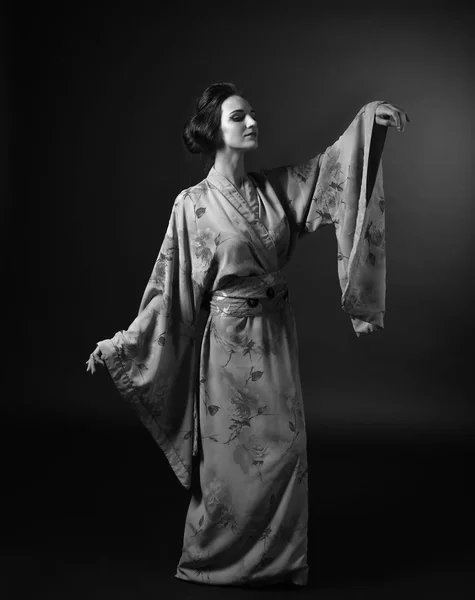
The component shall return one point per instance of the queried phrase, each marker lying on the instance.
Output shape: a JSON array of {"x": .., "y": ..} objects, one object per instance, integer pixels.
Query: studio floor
[{"x": 96, "y": 513}]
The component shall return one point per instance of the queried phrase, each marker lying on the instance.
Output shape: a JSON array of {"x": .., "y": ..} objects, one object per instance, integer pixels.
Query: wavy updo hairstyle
[{"x": 202, "y": 131}]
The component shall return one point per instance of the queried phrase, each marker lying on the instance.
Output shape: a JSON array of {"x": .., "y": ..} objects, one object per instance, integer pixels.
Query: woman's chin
[{"x": 252, "y": 144}]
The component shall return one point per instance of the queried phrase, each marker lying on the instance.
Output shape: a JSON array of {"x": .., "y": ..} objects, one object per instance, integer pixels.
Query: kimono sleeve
[
  {"x": 343, "y": 186},
  {"x": 152, "y": 363}
]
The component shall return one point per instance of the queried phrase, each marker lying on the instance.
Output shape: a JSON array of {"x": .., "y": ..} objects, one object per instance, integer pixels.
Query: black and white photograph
[{"x": 238, "y": 251}]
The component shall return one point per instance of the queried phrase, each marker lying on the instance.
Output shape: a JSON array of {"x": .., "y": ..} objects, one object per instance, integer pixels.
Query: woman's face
[{"x": 238, "y": 124}]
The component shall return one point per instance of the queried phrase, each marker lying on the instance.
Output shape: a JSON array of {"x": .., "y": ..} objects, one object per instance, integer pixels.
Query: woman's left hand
[{"x": 390, "y": 115}]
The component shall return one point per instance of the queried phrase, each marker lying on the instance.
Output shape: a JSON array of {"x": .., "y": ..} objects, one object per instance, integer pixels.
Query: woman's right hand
[{"x": 94, "y": 359}]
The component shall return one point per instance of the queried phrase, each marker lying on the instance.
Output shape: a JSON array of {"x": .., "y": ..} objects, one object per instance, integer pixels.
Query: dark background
[{"x": 95, "y": 97}]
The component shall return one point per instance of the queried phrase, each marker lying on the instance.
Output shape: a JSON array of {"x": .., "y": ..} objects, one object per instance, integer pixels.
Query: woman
[{"x": 230, "y": 417}]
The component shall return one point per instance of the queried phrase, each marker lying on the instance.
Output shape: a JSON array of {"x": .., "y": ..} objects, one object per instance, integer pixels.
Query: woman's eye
[{"x": 241, "y": 117}]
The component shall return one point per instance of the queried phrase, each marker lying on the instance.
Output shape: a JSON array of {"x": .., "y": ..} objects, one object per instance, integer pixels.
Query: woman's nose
[{"x": 250, "y": 122}]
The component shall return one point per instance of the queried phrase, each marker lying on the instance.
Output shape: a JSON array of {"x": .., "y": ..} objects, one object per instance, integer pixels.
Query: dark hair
[{"x": 202, "y": 131}]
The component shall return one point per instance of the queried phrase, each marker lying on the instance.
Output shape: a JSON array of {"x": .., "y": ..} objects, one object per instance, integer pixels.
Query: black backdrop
[
  {"x": 96, "y": 100},
  {"x": 101, "y": 94}
]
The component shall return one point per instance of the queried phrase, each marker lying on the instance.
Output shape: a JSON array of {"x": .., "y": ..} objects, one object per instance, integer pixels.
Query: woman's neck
[{"x": 231, "y": 165}]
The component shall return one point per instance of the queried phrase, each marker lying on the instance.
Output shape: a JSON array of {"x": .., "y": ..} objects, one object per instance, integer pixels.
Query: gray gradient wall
[{"x": 102, "y": 95}]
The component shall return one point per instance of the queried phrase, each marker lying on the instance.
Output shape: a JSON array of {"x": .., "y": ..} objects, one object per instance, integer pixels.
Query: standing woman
[{"x": 232, "y": 413}]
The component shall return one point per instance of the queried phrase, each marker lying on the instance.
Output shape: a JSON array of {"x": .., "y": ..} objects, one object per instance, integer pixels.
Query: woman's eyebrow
[{"x": 240, "y": 110}]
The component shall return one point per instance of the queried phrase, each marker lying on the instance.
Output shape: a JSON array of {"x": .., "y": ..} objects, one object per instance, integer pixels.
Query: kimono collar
[
  {"x": 218, "y": 179},
  {"x": 250, "y": 223},
  {"x": 235, "y": 196}
]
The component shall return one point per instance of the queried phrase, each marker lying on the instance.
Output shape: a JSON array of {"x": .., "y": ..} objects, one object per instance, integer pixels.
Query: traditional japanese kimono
[{"x": 229, "y": 416}]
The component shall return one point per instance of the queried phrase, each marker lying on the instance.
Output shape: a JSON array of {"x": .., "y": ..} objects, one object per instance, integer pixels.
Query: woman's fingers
[
  {"x": 94, "y": 357},
  {"x": 396, "y": 119},
  {"x": 391, "y": 115},
  {"x": 394, "y": 116},
  {"x": 402, "y": 117},
  {"x": 97, "y": 354},
  {"x": 387, "y": 122}
]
